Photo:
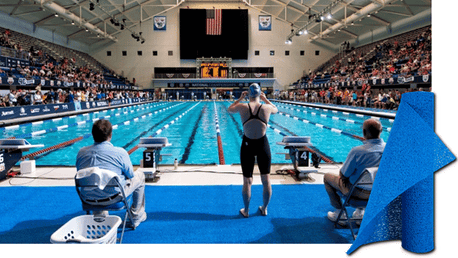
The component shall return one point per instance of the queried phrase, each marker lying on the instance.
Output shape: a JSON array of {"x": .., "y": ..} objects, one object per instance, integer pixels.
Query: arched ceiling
[{"x": 349, "y": 19}]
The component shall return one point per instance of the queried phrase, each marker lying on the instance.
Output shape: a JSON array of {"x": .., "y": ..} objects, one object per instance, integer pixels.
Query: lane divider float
[
  {"x": 323, "y": 126},
  {"x": 334, "y": 117},
  {"x": 343, "y": 112},
  {"x": 218, "y": 137},
  {"x": 66, "y": 143},
  {"x": 164, "y": 127}
]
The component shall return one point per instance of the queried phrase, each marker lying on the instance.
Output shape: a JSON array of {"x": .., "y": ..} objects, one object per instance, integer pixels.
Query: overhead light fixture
[
  {"x": 122, "y": 26},
  {"x": 56, "y": 14},
  {"x": 368, "y": 15},
  {"x": 329, "y": 16},
  {"x": 143, "y": 41},
  {"x": 112, "y": 21},
  {"x": 352, "y": 23},
  {"x": 73, "y": 22},
  {"x": 91, "y": 7},
  {"x": 288, "y": 42}
]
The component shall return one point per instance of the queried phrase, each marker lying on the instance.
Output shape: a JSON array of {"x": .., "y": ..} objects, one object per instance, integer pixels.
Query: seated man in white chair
[
  {"x": 360, "y": 157},
  {"x": 104, "y": 155}
]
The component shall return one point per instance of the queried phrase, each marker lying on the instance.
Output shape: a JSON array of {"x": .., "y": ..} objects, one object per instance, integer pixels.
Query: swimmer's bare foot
[
  {"x": 242, "y": 211},
  {"x": 263, "y": 212}
]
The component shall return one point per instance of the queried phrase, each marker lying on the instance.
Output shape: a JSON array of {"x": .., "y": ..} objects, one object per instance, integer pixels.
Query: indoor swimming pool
[{"x": 191, "y": 128}]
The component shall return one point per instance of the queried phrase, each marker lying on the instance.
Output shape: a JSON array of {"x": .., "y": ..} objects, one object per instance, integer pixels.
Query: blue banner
[
  {"x": 160, "y": 23},
  {"x": 35, "y": 110},
  {"x": 265, "y": 22},
  {"x": 58, "y": 84}
]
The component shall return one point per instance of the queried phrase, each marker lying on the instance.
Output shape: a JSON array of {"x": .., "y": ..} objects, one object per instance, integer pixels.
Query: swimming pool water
[{"x": 193, "y": 136}]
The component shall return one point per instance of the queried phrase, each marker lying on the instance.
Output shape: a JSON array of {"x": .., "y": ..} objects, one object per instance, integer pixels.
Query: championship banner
[
  {"x": 265, "y": 22},
  {"x": 160, "y": 23}
]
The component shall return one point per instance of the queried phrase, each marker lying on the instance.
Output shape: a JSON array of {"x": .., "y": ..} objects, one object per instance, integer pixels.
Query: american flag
[{"x": 214, "y": 21}]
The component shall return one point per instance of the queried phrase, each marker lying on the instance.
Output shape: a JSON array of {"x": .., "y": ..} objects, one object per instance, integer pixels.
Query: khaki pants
[{"x": 333, "y": 183}]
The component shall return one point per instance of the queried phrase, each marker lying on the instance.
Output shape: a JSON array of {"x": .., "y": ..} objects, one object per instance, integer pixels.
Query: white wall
[{"x": 288, "y": 69}]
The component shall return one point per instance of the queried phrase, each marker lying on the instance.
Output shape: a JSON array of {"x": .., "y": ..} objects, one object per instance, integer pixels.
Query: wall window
[
  {"x": 302, "y": 53},
  {"x": 256, "y": 52},
  {"x": 272, "y": 52},
  {"x": 108, "y": 53},
  {"x": 170, "y": 53},
  {"x": 139, "y": 53},
  {"x": 154, "y": 53},
  {"x": 124, "y": 53},
  {"x": 286, "y": 52},
  {"x": 317, "y": 52}
]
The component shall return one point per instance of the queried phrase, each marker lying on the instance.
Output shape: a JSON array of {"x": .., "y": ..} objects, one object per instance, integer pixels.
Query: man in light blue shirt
[
  {"x": 104, "y": 155},
  {"x": 361, "y": 157}
]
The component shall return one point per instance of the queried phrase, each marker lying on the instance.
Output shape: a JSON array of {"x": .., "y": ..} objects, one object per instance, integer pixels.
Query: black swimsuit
[{"x": 255, "y": 147}]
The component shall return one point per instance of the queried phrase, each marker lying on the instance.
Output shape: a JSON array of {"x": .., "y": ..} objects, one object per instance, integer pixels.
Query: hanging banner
[
  {"x": 265, "y": 22},
  {"x": 160, "y": 23}
]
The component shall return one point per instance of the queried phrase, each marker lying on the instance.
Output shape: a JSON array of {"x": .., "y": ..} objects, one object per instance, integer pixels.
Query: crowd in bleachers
[
  {"x": 404, "y": 55},
  {"x": 381, "y": 99},
  {"x": 46, "y": 67},
  {"x": 401, "y": 56}
]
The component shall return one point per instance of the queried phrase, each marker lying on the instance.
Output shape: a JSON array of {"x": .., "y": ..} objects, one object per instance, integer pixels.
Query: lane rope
[
  {"x": 332, "y": 117},
  {"x": 164, "y": 127},
  {"x": 335, "y": 111},
  {"x": 58, "y": 128},
  {"x": 218, "y": 137},
  {"x": 70, "y": 142},
  {"x": 322, "y": 126}
]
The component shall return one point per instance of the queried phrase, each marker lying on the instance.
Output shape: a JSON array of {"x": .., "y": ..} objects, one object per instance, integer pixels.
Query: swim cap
[{"x": 254, "y": 90}]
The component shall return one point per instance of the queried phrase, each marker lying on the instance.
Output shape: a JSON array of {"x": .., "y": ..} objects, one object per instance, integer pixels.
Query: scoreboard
[{"x": 213, "y": 70}]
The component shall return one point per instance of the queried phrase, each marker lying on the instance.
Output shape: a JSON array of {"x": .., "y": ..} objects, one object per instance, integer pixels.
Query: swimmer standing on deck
[{"x": 255, "y": 117}]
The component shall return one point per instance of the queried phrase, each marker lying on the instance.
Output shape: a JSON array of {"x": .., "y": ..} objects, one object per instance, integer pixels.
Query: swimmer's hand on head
[
  {"x": 273, "y": 107},
  {"x": 234, "y": 107}
]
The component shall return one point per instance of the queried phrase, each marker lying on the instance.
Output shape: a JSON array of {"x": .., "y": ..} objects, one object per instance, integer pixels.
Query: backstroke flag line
[
  {"x": 401, "y": 205},
  {"x": 214, "y": 21}
]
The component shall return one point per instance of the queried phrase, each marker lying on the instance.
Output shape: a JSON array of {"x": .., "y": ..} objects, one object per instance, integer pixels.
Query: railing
[{"x": 236, "y": 75}]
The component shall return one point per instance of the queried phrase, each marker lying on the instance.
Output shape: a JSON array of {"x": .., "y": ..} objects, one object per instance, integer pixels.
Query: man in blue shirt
[
  {"x": 104, "y": 155},
  {"x": 360, "y": 157}
]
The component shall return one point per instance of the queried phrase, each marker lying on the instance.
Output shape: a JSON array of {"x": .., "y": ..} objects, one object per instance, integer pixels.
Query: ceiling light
[
  {"x": 57, "y": 15},
  {"x": 73, "y": 22},
  {"x": 288, "y": 41},
  {"x": 329, "y": 16}
]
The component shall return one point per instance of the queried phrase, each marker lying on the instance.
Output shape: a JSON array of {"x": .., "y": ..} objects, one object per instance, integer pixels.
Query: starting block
[
  {"x": 299, "y": 154},
  {"x": 11, "y": 152},
  {"x": 152, "y": 156}
]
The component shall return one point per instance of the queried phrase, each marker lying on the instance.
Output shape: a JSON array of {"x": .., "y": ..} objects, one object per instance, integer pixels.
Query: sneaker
[
  {"x": 137, "y": 222},
  {"x": 358, "y": 215},
  {"x": 332, "y": 216}
]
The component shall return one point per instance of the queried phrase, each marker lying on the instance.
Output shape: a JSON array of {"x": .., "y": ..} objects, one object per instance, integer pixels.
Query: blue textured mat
[
  {"x": 401, "y": 206},
  {"x": 182, "y": 214}
]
